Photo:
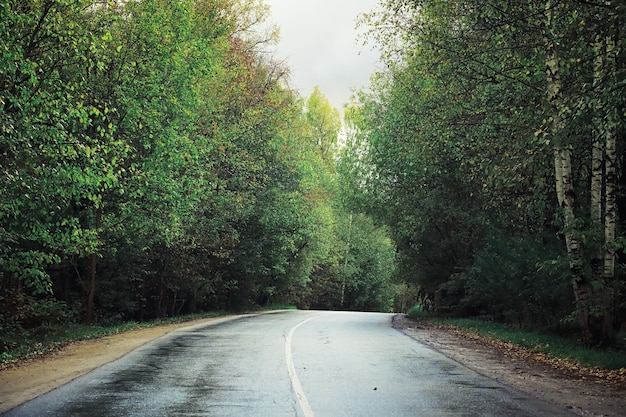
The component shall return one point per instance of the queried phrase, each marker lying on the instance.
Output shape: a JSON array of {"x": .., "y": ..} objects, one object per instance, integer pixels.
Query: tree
[
  {"x": 104, "y": 115},
  {"x": 325, "y": 124},
  {"x": 358, "y": 269},
  {"x": 490, "y": 80},
  {"x": 59, "y": 154}
]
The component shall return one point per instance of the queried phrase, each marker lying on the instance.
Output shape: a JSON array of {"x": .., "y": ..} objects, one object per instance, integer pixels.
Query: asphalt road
[{"x": 296, "y": 363}]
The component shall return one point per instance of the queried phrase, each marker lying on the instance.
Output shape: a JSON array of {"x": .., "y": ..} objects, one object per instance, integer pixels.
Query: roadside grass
[
  {"x": 280, "y": 306},
  {"x": 554, "y": 346},
  {"x": 48, "y": 339}
]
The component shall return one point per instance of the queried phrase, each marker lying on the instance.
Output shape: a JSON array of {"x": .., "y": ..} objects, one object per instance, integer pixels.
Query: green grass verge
[
  {"x": 279, "y": 306},
  {"x": 552, "y": 345}
]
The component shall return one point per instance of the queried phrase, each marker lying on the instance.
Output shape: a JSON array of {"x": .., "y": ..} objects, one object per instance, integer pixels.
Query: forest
[
  {"x": 155, "y": 163},
  {"x": 492, "y": 147}
]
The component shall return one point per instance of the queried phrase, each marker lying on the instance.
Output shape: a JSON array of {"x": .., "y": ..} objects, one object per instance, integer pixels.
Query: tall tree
[
  {"x": 325, "y": 123},
  {"x": 474, "y": 51}
]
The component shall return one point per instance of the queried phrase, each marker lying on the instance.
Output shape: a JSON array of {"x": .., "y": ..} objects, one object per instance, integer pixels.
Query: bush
[
  {"x": 515, "y": 280},
  {"x": 417, "y": 311},
  {"x": 26, "y": 317}
]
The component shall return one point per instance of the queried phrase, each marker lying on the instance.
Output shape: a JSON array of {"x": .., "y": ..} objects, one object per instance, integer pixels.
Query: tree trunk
[
  {"x": 598, "y": 210},
  {"x": 91, "y": 286},
  {"x": 597, "y": 171},
  {"x": 343, "y": 280},
  {"x": 161, "y": 309},
  {"x": 563, "y": 176},
  {"x": 610, "y": 207},
  {"x": 610, "y": 215},
  {"x": 604, "y": 178},
  {"x": 583, "y": 290}
]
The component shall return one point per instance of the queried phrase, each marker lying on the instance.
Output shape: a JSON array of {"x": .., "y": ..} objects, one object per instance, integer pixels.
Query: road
[{"x": 293, "y": 363}]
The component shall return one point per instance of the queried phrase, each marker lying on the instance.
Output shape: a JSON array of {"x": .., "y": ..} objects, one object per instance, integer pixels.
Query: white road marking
[{"x": 293, "y": 376}]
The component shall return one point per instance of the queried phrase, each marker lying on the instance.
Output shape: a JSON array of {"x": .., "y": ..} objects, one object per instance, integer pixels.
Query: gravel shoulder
[{"x": 581, "y": 394}]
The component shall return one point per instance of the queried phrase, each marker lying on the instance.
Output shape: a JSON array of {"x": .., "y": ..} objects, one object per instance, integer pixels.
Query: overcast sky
[{"x": 318, "y": 39}]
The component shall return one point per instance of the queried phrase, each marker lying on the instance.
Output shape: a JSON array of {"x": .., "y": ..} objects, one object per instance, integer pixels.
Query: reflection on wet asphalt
[{"x": 348, "y": 364}]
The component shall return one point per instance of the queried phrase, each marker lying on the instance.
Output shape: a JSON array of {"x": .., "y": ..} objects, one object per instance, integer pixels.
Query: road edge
[{"x": 36, "y": 377}]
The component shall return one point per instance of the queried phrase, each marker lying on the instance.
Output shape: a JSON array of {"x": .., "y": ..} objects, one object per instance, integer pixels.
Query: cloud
[{"x": 319, "y": 43}]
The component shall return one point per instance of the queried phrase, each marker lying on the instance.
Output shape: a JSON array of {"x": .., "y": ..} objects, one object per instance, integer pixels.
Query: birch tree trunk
[
  {"x": 603, "y": 176},
  {"x": 597, "y": 168},
  {"x": 610, "y": 220},
  {"x": 563, "y": 174},
  {"x": 345, "y": 265},
  {"x": 610, "y": 208}
]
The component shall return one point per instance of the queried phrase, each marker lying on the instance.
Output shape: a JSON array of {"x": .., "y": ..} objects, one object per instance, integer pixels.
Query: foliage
[
  {"x": 511, "y": 280},
  {"x": 155, "y": 164},
  {"x": 484, "y": 110},
  {"x": 417, "y": 311}
]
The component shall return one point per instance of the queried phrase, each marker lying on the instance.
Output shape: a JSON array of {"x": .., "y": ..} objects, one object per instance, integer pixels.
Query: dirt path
[{"x": 583, "y": 397}]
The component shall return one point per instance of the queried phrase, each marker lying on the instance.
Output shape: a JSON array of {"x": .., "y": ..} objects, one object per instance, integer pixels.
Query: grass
[
  {"x": 33, "y": 344},
  {"x": 552, "y": 345},
  {"x": 279, "y": 306},
  {"x": 549, "y": 344}
]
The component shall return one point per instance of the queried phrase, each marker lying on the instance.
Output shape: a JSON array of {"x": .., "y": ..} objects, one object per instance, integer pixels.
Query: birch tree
[
  {"x": 566, "y": 55},
  {"x": 604, "y": 181},
  {"x": 563, "y": 169}
]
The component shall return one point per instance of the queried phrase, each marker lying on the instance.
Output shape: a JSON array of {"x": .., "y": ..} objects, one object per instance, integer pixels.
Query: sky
[{"x": 318, "y": 40}]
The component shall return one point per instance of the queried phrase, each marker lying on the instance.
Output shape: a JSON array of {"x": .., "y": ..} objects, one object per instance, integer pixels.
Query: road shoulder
[
  {"x": 582, "y": 397},
  {"x": 35, "y": 377}
]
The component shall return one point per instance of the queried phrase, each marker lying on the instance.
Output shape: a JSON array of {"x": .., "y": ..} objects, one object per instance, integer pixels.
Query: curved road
[{"x": 292, "y": 363}]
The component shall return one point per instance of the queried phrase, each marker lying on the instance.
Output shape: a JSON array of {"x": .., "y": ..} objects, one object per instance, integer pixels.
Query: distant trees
[
  {"x": 498, "y": 120},
  {"x": 356, "y": 272}
]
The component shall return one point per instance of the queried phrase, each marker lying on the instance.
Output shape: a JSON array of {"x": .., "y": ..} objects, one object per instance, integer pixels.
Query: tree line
[
  {"x": 154, "y": 162},
  {"x": 492, "y": 145}
]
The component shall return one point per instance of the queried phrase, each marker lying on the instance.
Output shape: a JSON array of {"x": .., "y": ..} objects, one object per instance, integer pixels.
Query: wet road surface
[{"x": 293, "y": 363}]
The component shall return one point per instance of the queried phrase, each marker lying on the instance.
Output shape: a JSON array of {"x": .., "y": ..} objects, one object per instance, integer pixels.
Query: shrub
[
  {"x": 514, "y": 280},
  {"x": 417, "y": 311}
]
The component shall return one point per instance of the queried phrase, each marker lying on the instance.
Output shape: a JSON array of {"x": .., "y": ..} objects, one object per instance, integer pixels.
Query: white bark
[
  {"x": 563, "y": 173},
  {"x": 610, "y": 215},
  {"x": 597, "y": 147},
  {"x": 610, "y": 135}
]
